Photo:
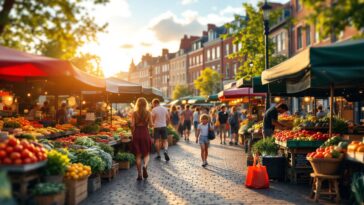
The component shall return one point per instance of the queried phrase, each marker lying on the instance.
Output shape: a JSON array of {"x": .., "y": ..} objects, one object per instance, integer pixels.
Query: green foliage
[
  {"x": 91, "y": 129},
  {"x": 48, "y": 189},
  {"x": 250, "y": 34},
  {"x": 107, "y": 148},
  {"x": 336, "y": 17},
  {"x": 208, "y": 83},
  {"x": 89, "y": 63},
  {"x": 124, "y": 156},
  {"x": 91, "y": 159},
  {"x": 173, "y": 132},
  {"x": 85, "y": 141},
  {"x": 266, "y": 147},
  {"x": 56, "y": 28},
  {"x": 57, "y": 162},
  {"x": 11, "y": 124},
  {"x": 180, "y": 91}
]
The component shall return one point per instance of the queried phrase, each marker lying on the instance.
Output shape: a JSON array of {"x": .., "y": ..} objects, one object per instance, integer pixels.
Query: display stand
[{"x": 298, "y": 168}]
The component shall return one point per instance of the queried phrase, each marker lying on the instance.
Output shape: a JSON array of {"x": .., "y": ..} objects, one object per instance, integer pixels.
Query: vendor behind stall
[
  {"x": 61, "y": 115},
  {"x": 270, "y": 120}
]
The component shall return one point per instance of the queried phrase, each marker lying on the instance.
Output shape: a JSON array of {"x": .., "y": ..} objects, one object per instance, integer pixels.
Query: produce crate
[
  {"x": 94, "y": 183},
  {"x": 108, "y": 174},
  {"x": 300, "y": 144},
  {"x": 356, "y": 156},
  {"x": 76, "y": 191},
  {"x": 124, "y": 165}
]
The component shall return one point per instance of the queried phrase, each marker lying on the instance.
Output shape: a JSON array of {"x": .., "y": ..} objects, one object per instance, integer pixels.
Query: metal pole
[
  {"x": 266, "y": 35},
  {"x": 331, "y": 108}
]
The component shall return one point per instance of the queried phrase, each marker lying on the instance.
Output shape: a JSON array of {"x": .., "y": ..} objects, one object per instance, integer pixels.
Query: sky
[{"x": 137, "y": 27}]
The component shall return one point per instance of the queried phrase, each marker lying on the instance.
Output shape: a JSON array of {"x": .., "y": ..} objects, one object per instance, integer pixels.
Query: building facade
[
  {"x": 196, "y": 62},
  {"x": 160, "y": 73}
]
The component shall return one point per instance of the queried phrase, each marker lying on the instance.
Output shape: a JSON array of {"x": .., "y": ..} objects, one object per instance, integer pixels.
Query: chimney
[
  {"x": 204, "y": 33},
  {"x": 164, "y": 52},
  {"x": 210, "y": 27}
]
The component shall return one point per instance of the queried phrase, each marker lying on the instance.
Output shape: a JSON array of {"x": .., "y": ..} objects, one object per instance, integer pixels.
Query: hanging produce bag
[{"x": 257, "y": 176}]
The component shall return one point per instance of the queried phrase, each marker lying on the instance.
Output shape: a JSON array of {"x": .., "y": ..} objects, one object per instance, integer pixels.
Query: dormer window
[{"x": 211, "y": 35}]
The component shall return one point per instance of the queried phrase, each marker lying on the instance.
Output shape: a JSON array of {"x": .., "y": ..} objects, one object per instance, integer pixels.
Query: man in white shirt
[{"x": 160, "y": 118}]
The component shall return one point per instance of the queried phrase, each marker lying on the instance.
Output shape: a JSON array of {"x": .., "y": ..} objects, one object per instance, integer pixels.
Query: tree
[
  {"x": 180, "y": 91},
  {"x": 331, "y": 19},
  {"x": 89, "y": 63},
  {"x": 54, "y": 28},
  {"x": 248, "y": 31},
  {"x": 208, "y": 82}
]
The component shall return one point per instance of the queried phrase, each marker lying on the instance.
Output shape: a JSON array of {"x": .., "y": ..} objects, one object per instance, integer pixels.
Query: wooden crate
[
  {"x": 108, "y": 174},
  {"x": 76, "y": 191},
  {"x": 124, "y": 165},
  {"x": 94, "y": 184}
]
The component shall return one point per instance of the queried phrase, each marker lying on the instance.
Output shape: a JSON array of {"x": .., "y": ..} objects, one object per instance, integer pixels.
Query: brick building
[
  {"x": 196, "y": 61},
  {"x": 140, "y": 73},
  {"x": 280, "y": 30},
  {"x": 160, "y": 72},
  {"x": 179, "y": 64}
]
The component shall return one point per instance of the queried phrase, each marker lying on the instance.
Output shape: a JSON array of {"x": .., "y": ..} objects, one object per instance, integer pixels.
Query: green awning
[
  {"x": 212, "y": 98},
  {"x": 340, "y": 64},
  {"x": 196, "y": 99}
]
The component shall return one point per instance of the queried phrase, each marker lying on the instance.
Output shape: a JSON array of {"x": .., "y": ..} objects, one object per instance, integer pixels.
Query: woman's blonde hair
[
  {"x": 204, "y": 116},
  {"x": 141, "y": 107}
]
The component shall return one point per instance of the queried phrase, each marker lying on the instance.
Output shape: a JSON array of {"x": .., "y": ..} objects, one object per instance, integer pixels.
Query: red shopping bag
[{"x": 257, "y": 177}]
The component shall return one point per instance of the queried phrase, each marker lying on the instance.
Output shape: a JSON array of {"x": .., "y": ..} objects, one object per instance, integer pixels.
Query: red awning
[
  {"x": 15, "y": 64},
  {"x": 238, "y": 93}
]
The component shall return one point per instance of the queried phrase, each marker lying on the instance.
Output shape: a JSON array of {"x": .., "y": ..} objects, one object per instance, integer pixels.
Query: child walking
[{"x": 202, "y": 136}]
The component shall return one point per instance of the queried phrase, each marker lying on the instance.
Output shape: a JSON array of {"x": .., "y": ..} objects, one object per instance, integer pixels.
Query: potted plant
[
  {"x": 125, "y": 160},
  {"x": 173, "y": 136},
  {"x": 268, "y": 151},
  {"x": 49, "y": 193},
  {"x": 56, "y": 165}
]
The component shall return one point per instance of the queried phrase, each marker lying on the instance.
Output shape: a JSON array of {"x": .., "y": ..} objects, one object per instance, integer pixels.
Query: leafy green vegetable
[
  {"x": 123, "y": 156},
  {"x": 107, "y": 148},
  {"x": 91, "y": 129},
  {"x": 85, "y": 141},
  {"x": 48, "y": 188},
  {"x": 266, "y": 147},
  {"x": 332, "y": 141},
  {"x": 91, "y": 159}
]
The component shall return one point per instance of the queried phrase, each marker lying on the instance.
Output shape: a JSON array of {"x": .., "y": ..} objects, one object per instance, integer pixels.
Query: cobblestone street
[{"x": 184, "y": 181}]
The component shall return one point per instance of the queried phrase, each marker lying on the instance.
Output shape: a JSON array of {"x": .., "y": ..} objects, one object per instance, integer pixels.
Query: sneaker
[
  {"x": 158, "y": 157},
  {"x": 166, "y": 156},
  {"x": 230, "y": 143},
  {"x": 204, "y": 164},
  {"x": 145, "y": 173},
  {"x": 236, "y": 143}
]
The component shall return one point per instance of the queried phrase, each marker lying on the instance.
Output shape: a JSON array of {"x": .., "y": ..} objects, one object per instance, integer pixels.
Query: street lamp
[{"x": 266, "y": 10}]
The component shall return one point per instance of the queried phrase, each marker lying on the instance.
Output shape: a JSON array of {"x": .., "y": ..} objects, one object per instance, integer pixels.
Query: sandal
[
  {"x": 139, "y": 178},
  {"x": 145, "y": 173}
]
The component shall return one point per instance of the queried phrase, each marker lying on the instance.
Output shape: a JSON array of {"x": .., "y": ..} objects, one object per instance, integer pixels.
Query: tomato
[
  {"x": 31, "y": 147},
  {"x": 13, "y": 142},
  {"x": 15, "y": 155},
  {"x": 2, "y": 154},
  {"x": 18, "y": 148},
  {"x": 9, "y": 150},
  {"x": 27, "y": 160},
  {"x": 7, "y": 161},
  {"x": 18, "y": 162},
  {"x": 25, "y": 154},
  {"x": 2, "y": 146},
  {"x": 34, "y": 159},
  {"x": 319, "y": 155},
  {"x": 328, "y": 155}
]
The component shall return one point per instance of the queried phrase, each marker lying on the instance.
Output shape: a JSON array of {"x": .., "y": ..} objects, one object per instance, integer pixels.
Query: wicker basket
[{"x": 325, "y": 166}]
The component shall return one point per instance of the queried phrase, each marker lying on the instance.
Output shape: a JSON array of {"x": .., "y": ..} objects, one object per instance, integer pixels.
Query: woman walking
[
  {"x": 203, "y": 139},
  {"x": 196, "y": 117},
  {"x": 141, "y": 143},
  {"x": 174, "y": 115},
  {"x": 234, "y": 122}
]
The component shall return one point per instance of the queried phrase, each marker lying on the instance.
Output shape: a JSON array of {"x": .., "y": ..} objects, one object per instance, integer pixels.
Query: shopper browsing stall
[
  {"x": 222, "y": 119},
  {"x": 270, "y": 120}
]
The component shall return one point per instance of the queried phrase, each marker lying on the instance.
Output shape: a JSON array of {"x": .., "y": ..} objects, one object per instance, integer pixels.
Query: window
[
  {"x": 234, "y": 48},
  {"x": 278, "y": 41},
  {"x": 299, "y": 38},
  {"x": 235, "y": 68},
  {"x": 283, "y": 41},
  {"x": 213, "y": 53},
  {"x": 227, "y": 71},
  {"x": 218, "y": 52},
  {"x": 298, "y": 5},
  {"x": 194, "y": 60},
  {"x": 227, "y": 49},
  {"x": 213, "y": 67},
  {"x": 201, "y": 59},
  {"x": 218, "y": 68},
  {"x": 211, "y": 35},
  {"x": 190, "y": 61},
  {"x": 197, "y": 60},
  {"x": 317, "y": 36},
  {"x": 240, "y": 46},
  {"x": 208, "y": 54},
  {"x": 308, "y": 35}
]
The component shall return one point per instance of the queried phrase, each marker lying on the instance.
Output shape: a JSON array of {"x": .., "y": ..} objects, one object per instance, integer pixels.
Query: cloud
[
  {"x": 145, "y": 44},
  {"x": 229, "y": 10},
  {"x": 127, "y": 46},
  {"x": 186, "y": 2},
  {"x": 168, "y": 27}
]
